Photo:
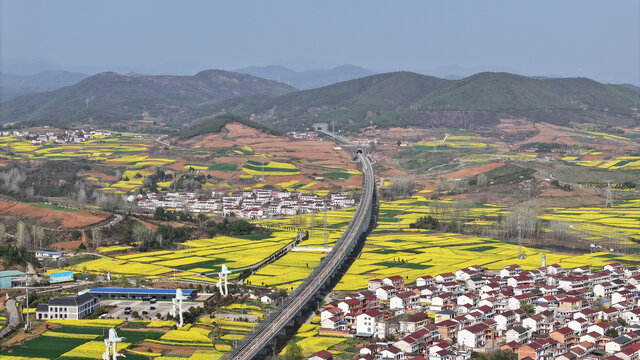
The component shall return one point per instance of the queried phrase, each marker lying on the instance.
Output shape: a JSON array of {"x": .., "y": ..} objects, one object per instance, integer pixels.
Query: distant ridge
[
  {"x": 389, "y": 99},
  {"x": 12, "y": 86},
  {"x": 309, "y": 79},
  {"x": 109, "y": 96}
]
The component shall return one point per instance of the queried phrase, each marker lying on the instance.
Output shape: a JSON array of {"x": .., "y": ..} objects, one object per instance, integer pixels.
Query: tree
[
  {"x": 612, "y": 333},
  {"x": 482, "y": 180},
  {"x": 3, "y": 232},
  {"x": 143, "y": 235},
  {"x": 96, "y": 235},
  {"x": 426, "y": 222},
  {"x": 293, "y": 352},
  {"x": 22, "y": 235},
  {"x": 38, "y": 235},
  {"x": 527, "y": 307}
]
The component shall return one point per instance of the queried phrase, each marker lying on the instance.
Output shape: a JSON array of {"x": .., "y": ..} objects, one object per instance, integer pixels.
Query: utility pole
[
  {"x": 609, "y": 201},
  {"x": 27, "y": 326}
]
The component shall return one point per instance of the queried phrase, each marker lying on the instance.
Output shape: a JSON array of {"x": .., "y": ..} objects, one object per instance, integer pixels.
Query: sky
[{"x": 596, "y": 39}]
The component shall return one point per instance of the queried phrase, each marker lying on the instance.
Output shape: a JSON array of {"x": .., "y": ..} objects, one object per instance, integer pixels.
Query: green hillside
[
  {"x": 215, "y": 124},
  {"x": 405, "y": 98},
  {"x": 391, "y": 99},
  {"x": 107, "y": 95}
]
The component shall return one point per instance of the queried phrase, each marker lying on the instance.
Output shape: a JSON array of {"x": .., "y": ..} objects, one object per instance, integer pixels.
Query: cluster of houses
[
  {"x": 305, "y": 135},
  {"x": 249, "y": 204},
  {"x": 58, "y": 137},
  {"x": 545, "y": 313}
]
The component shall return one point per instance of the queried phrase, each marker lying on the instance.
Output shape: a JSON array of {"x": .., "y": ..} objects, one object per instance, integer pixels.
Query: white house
[
  {"x": 473, "y": 336},
  {"x": 366, "y": 322},
  {"x": 68, "y": 307}
]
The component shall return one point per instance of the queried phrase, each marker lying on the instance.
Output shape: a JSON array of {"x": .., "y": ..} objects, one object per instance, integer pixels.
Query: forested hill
[
  {"x": 405, "y": 98},
  {"x": 109, "y": 96},
  {"x": 390, "y": 99}
]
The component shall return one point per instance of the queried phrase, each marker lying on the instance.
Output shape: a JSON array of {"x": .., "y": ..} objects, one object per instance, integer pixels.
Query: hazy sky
[{"x": 598, "y": 39}]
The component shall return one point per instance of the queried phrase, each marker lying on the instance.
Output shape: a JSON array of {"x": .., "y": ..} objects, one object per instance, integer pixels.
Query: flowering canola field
[{"x": 198, "y": 256}]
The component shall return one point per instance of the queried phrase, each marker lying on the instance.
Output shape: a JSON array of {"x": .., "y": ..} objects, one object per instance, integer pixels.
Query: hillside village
[
  {"x": 249, "y": 204},
  {"x": 545, "y": 313},
  {"x": 56, "y": 136}
]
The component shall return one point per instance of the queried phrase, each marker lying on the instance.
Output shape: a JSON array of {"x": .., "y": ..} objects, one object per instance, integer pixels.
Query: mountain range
[
  {"x": 308, "y": 79},
  {"x": 12, "y": 86},
  {"x": 405, "y": 98},
  {"x": 389, "y": 99},
  {"x": 109, "y": 97}
]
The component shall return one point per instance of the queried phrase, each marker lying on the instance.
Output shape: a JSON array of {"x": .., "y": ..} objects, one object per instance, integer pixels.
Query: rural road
[{"x": 14, "y": 319}]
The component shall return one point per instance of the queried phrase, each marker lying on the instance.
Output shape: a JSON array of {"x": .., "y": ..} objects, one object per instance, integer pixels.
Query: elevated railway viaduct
[{"x": 282, "y": 323}]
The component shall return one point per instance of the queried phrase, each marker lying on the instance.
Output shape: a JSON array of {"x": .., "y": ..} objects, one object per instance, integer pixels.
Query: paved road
[
  {"x": 13, "y": 317},
  {"x": 256, "y": 341}
]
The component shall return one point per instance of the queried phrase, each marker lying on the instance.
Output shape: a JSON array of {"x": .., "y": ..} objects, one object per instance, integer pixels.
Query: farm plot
[
  {"x": 198, "y": 256},
  {"x": 620, "y": 223},
  {"x": 75, "y": 340},
  {"x": 416, "y": 254},
  {"x": 270, "y": 168},
  {"x": 95, "y": 149}
]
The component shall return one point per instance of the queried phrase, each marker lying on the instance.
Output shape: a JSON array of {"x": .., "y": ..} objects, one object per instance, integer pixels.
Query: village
[
  {"x": 47, "y": 135},
  {"x": 249, "y": 204},
  {"x": 545, "y": 313}
]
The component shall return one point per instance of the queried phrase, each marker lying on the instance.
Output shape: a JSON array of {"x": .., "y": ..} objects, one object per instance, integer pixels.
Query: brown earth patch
[
  {"x": 148, "y": 224},
  {"x": 472, "y": 171},
  {"x": 46, "y": 216},
  {"x": 70, "y": 246}
]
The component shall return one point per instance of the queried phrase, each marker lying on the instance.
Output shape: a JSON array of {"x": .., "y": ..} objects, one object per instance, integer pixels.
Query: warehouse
[
  {"x": 135, "y": 293},
  {"x": 11, "y": 278}
]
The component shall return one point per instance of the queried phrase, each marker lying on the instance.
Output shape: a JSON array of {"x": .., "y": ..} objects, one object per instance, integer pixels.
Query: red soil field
[
  {"x": 472, "y": 171},
  {"x": 47, "y": 216}
]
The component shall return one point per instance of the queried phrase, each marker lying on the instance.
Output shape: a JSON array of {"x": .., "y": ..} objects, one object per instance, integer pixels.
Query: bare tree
[
  {"x": 524, "y": 217},
  {"x": 38, "y": 235},
  {"x": 12, "y": 179},
  {"x": 96, "y": 235},
  {"x": 22, "y": 234},
  {"x": 143, "y": 235},
  {"x": 3, "y": 232},
  {"x": 482, "y": 180},
  {"x": 402, "y": 186}
]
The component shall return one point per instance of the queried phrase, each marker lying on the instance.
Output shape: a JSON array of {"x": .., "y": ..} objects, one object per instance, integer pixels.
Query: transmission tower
[
  {"x": 609, "y": 201},
  {"x": 326, "y": 235}
]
